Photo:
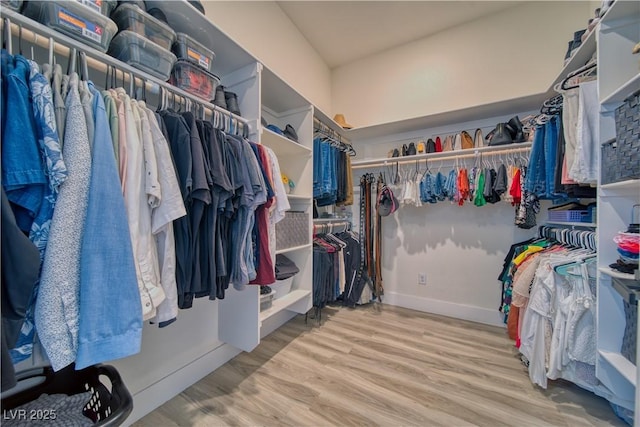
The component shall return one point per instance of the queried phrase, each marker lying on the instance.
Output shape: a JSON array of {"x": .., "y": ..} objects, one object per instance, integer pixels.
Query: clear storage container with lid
[
  {"x": 132, "y": 18},
  {"x": 142, "y": 54},
  {"x": 194, "y": 80},
  {"x": 75, "y": 20},
  {"x": 189, "y": 49},
  {"x": 12, "y": 4},
  {"x": 103, "y": 6}
]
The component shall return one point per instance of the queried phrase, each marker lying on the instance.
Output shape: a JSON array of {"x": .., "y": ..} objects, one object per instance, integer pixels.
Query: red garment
[
  {"x": 438, "y": 145},
  {"x": 512, "y": 323},
  {"x": 265, "y": 271},
  {"x": 515, "y": 191},
  {"x": 463, "y": 186}
]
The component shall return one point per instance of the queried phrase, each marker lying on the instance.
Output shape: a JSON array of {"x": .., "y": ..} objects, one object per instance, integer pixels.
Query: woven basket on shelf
[{"x": 627, "y": 120}]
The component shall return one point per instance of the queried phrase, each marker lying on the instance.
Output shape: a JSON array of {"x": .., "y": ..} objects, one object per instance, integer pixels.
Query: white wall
[
  {"x": 460, "y": 248},
  {"x": 514, "y": 53},
  {"x": 264, "y": 30}
]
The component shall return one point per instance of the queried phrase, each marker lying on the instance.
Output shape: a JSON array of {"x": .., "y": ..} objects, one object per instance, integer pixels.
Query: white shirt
[
  {"x": 169, "y": 208},
  {"x": 139, "y": 212}
]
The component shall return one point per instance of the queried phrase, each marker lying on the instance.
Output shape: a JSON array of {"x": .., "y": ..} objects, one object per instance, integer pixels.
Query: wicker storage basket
[
  {"x": 293, "y": 230},
  {"x": 627, "y": 145}
]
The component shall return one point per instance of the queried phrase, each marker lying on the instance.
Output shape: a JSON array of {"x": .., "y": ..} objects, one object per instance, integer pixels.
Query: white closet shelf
[
  {"x": 324, "y": 118},
  {"x": 278, "y": 96},
  {"x": 630, "y": 186},
  {"x": 293, "y": 248},
  {"x": 621, "y": 364},
  {"x": 283, "y": 303},
  {"x": 619, "y": 95},
  {"x": 498, "y": 149},
  {"x": 483, "y": 111},
  {"x": 617, "y": 274},
  {"x": 579, "y": 58},
  {"x": 298, "y": 197},
  {"x": 281, "y": 145},
  {"x": 574, "y": 224},
  {"x": 621, "y": 10}
]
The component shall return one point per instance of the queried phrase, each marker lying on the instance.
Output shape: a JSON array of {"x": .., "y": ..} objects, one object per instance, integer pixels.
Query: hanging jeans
[
  {"x": 550, "y": 154},
  {"x": 535, "y": 179}
]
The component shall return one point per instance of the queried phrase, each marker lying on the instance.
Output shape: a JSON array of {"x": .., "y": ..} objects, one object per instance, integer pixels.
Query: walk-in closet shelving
[
  {"x": 281, "y": 105},
  {"x": 618, "y": 77},
  {"x": 175, "y": 357}
]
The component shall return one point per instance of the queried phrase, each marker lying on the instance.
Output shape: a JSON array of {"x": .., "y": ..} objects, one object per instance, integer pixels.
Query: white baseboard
[
  {"x": 444, "y": 308},
  {"x": 170, "y": 386}
]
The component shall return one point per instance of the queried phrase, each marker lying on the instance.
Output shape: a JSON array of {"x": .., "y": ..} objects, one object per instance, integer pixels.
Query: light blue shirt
[{"x": 110, "y": 310}]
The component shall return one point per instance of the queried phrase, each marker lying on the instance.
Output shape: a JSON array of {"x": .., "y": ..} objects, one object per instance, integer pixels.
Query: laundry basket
[{"x": 110, "y": 403}]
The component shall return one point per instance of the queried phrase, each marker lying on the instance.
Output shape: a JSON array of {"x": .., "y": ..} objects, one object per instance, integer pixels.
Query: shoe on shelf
[
  {"x": 515, "y": 128},
  {"x": 290, "y": 133},
  {"x": 232, "y": 103},
  {"x": 219, "y": 99}
]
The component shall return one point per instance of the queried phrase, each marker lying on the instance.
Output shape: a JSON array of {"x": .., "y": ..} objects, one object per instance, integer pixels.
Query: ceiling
[{"x": 344, "y": 31}]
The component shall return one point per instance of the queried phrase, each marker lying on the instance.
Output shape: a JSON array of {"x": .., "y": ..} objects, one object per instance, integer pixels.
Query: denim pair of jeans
[
  {"x": 550, "y": 154},
  {"x": 535, "y": 178}
]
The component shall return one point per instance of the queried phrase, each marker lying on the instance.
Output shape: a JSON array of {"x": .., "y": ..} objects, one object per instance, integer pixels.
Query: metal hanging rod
[
  {"x": 445, "y": 155},
  {"x": 318, "y": 125},
  {"x": 330, "y": 227},
  {"x": 40, "y": 35}
]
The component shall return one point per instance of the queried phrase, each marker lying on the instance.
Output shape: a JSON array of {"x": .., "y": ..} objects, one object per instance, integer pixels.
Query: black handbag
[{"x": 501, "y": 135}]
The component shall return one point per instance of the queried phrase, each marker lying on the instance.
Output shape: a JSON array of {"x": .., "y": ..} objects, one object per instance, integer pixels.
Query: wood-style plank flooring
[{"x": 380, "y": 366}]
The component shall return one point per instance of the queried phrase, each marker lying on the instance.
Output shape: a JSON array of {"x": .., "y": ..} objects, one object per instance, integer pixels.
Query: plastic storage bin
[
  {"x": 570, "y": 216},
  {"x": 282, "y": 287},
  {"x": 105, "y": 408},
  {"x": 189, "y": 49},
  {"x": 103, "y": 6},
  {"x": 12, "y": 4},
  {"x": 75, "y": 20},
  {"x": 194, "y": 80},
  {"x": 132, "y": 18},
  {"x": 266, "y": 301},
  {"x": 142, "y": 54}
]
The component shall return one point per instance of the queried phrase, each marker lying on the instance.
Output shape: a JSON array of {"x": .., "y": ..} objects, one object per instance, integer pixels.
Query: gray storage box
[{"x": 293, "y": 230}]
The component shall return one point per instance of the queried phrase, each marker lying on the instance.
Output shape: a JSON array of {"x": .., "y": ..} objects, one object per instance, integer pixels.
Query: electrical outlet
[{"x": 422, "y": 278}]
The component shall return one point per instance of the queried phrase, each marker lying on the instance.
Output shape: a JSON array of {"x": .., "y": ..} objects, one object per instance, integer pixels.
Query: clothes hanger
[
  {"x": 7, "y": 24},
  {"x": 20, "y": 39},
  {"x": 582, "y": 71},
  {"x": 85, "y": 66},
  {"x": 71, "y": 65}
]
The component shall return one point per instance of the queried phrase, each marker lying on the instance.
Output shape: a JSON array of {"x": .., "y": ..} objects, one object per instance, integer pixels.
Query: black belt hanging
[{"x": 379, "y": 290}]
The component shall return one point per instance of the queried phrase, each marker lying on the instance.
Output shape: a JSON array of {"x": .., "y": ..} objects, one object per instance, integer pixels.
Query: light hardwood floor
[{"x": 380, "y": 365}]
